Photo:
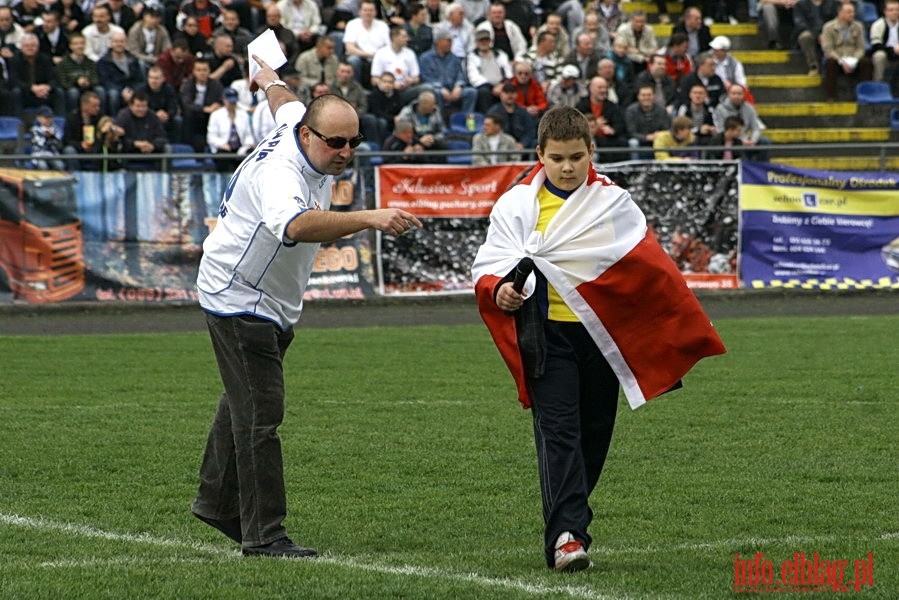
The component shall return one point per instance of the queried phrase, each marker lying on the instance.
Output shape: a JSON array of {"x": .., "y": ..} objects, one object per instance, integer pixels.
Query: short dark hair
[
  {"x": 734, "y": 121},
  {"x": 563, "y": 123}
]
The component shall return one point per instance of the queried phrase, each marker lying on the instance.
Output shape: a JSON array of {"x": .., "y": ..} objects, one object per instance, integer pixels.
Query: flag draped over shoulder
[{"x": 617, "y": 279}]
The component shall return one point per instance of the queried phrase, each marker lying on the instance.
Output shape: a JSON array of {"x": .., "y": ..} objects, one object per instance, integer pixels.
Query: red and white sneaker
[{"x": 570, "y": 554}]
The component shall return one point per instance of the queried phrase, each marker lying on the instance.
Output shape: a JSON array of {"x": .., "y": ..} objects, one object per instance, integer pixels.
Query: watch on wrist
[{"x": 275, "y": 82}]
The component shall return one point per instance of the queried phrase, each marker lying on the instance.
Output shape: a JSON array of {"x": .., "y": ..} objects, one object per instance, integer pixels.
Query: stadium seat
[
  {"x": 869, "y": 13},
  {"x": 458, "y": 159},
  {"x": 11, "y": 131},
  {"x": 186, "y": 163},
  {"x": 894, "y": 119},
  {"x": 458, "y": 123},
  {"x": 375, "y": 160},
  {"x": 874, "y": 92}
]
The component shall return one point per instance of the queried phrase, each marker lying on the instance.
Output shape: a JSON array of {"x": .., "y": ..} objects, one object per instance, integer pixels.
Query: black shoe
[
  {"x": 283, "y": 547},
  {"x": 231, "y": 527}
]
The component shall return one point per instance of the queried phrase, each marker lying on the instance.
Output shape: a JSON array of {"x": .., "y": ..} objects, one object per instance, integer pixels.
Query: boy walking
[{"x": 604, "y": 308}]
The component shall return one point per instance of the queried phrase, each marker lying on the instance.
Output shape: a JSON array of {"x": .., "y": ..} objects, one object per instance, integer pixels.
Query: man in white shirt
[
  {"x": 398, "y": 59},
  {"x": 885, "y": 41},
  {"x": 362, "y": 37},
  {"x": 255, "y": 267},
  {"x": 99, "y": 32}
]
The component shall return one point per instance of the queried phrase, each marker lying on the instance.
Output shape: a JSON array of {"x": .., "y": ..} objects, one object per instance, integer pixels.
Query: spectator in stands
[
  {"x": 229, "y": 132},
  {"x": 529, "y": 93},
  {"x": 621, "y": 90},
  {"x": 641, "y": 39},
  {"x": 697, "y": 33},
  {"x": 705, "y": 75},
  {"x": 495, "y": 141},
  {"x": 561, "y": 39},
  {"x": 809, "y": 17},
  {"x": 644, "y": 119},
  {"x": 885, "y": 44},
  {"x": 622, "y": 66},
  {"x": 544, "y": 59},
  {"x": 33, "y": 79},
  {"x": 54, "y": 40},
  {"x": 609, "y": 126},
  {"x": 488, "y": 69},
  {"x": 148, "y": 39},
  {"x": 677, "y": 63},
  {"x": 108, "y": 141},
  {"x": 585, "y": 56},
  {"x": 421, "y": 35},
  {"x": 507, "y": 35},
  {"x": 177, "y": 63},
  {"x": 463, "y": 31},
  {"x": 285, "y": 36},
  {"x": 10, "y": 33},
  {"x": 233, "y": 28},
  {"x": 770, "y": 13},
  {"x": 200, "y": 96},
  {"x": 392, "y": 12},
  {"x": 521, "y": 12},
  {"x": 226, "y": 65},
  {"x": 736, "y": 105},
  {"x": 664, "y": 88},
  {"x": 406, "y": 141},
  {"x": 475, "y": 10},
  {"x": 71, "y": 15},
  {"x": 206, "y": 12},
  {"x": 438, "y": 10},
  {"x": 602, "y": 39},
  {"x": 445, "y": 73},
  {"x": 80, "y": 131},
  {"x": 697, "y": 109},
  {"x": 727, "y": 67},
  {"x": 99, "y": 32},
  {"x": 363, "y": 37},
  {"x": 399, "y": 60},
  {"x": 77, "y": 73},
  {"x": 304, "y": 19},
  {"x": 572, "y": 13},
  {"x": 384, "y": 104},
  {"x": 721, "y": 11},
  {"x": 428, "y": 122},
  {"x": 568, "y": 89},
  {"x": 197, "y": 41},
  {"x": 346, "y": 84},
  {"x": 731, "y": 136},
  {"x": 610, "y": 16},
  {"x": 46, "y": 141},
  {"x": 163, "y": 101},
  {"x": 26, "y": 13},
  {"x": 519, "y": 124},
  {"x": 318, "y": 63},
  {"x": 843, "y": 45},
  {"x": 143, "y": 131},
  {"x": 120, "y": 73},
  {"x": 121, "y": 14},
  {"x": 679, "y": 135}
]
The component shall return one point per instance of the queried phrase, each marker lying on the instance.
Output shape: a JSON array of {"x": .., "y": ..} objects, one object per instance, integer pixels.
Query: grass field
[{"x": 411, "y": 467}]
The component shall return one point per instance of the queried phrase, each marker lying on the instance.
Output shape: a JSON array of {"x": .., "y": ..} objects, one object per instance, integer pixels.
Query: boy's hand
[{"x": 507, "y": 298}]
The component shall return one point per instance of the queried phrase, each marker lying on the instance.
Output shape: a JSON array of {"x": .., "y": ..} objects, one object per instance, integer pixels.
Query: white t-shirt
[
  {"x": 368, "y": 40},
  {"x": 402, "y": 64},
  {"x": 249, "y": 266}
]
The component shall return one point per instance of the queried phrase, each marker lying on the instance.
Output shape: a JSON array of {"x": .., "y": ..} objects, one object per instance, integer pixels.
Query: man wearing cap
[
  {"x": 318, "y": 64},
  {"x": 229, "y": 131},
  {"x": 444, "y": 72},
  {"x": 567, "y": 89},
  {"x": 147, "y": 38},
  {"x": 728, "y": 68},
  {"x": 487, "y": 69}
]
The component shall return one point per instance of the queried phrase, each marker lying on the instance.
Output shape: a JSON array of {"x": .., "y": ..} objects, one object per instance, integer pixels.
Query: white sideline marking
[{"x": 426, "y": 572}]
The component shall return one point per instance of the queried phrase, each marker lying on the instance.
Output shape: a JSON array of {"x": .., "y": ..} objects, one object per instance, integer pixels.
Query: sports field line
[{"x": 535, "y": 589}]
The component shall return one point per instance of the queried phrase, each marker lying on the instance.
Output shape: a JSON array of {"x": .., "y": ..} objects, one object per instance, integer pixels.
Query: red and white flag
[{"x": 598, "y": 255}]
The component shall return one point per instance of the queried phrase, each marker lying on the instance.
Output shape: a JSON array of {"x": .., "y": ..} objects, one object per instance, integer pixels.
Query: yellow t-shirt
[{"x": 550, "y": 203}]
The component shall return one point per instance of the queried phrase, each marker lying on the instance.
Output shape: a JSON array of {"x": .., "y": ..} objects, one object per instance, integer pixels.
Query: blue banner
[{"x": 815, "y": 229}]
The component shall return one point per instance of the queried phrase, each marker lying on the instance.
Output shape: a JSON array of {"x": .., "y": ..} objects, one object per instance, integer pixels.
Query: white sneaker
[
  {"x": 570, "y": 554},
  {"x": 733, "y": 20}
]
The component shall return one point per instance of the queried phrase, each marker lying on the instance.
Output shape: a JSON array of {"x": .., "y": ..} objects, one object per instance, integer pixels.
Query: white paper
[{"x": 267, "y": 48}]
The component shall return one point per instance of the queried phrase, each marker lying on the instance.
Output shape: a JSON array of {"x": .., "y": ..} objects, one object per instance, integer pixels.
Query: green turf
[{"x": 411, "y": 467}]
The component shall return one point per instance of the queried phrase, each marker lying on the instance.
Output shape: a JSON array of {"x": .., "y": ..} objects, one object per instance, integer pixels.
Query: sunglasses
[{"x": 337, "y": 143}]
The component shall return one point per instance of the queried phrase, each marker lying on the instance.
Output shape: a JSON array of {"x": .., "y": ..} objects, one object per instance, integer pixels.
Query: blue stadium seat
[
  {"x": 458, "y": 159},
  {"x": 11, "y": 131},
  {"x": 869, "y": 13},
  {"x": 375, "y": 160},
  {"x": 458, "y": 123},
  {"x": 874, "y": 92},
  {"x": 186, "y": 163},
  {"x": 894, "y": 119}
]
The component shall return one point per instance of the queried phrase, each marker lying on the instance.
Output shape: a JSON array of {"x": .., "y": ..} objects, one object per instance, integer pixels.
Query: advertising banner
[
  {"x": 137, "y": 236},
  {"x": 814, "y": 229},
  {"x": 691, "y": 208}
]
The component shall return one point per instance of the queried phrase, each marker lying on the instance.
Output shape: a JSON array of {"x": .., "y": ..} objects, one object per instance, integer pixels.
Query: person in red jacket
[
  {"x": 530, "y": 94},
  {"x": 677, "y": 62}
]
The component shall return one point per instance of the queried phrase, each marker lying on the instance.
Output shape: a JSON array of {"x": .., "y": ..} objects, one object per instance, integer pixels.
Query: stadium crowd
[{"x": 139, "y": 77}]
